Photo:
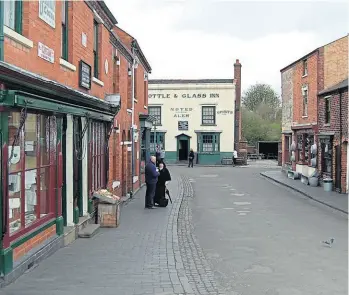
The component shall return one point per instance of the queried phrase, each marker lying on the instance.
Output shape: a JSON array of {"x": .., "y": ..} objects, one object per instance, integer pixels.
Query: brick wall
[
  {"x": 287, "y": 99},
  {"x": 80, "y": 19},
  {"x": 312, "y": 81},
  {"x": 336, "y": 122},
  {"x": 40, "y": 238},
  {"x": 336, "y": 62}
]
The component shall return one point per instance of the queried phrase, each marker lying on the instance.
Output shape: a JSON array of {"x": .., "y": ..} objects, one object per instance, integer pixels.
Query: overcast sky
[{"x": 203, "y": 38}]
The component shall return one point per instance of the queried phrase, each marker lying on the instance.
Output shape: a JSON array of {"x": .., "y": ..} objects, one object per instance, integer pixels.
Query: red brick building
[
  {"x": 302, "y": 82},
  {"x": 66, "y": 92}
]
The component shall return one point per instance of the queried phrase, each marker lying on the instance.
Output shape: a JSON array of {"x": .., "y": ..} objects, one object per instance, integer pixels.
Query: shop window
[
  {"x": 13, "y": 15},
  {"x": 32, "y": 170},
  {"x": 208, "y": 143},
  {"x": 64, "y": 39},
  {"x": 156, "y": 112},
  {"x": 95, "y": 49},
  {"x": 208, "y": 115},
  {"x": 308, "y": 142},
  {"x": 97, "y": 157}
]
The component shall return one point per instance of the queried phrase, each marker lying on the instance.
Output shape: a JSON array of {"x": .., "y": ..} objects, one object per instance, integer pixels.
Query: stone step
[{"x": 89, "y": 231}]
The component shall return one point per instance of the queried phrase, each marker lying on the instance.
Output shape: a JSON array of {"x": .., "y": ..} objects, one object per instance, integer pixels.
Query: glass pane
[
  {"x": 30, "y": 144},
  {"x": 44, "y": 191},
  {"x": 30, "y": 196},
  {"x": 63, "y": 11},
  {"x": 53, "y": 139},
  {"x": 14, "y": 192},
  {"x": 9, "y": 14},
  {"x": 44, "y": 140},
  {"x": 14, "y": 153}
]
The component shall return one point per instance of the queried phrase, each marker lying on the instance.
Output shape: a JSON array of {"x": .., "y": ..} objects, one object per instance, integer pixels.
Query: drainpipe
[
  {"x": 133, "y": 117},
  {"x": 340, "y": 138},
  {"x": 2, "y": 37}
]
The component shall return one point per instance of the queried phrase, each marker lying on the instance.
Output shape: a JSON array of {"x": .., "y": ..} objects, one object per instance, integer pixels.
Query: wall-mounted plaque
[
  {"x": 85, "y": 75},
  {"x": 183, "y": 125}
]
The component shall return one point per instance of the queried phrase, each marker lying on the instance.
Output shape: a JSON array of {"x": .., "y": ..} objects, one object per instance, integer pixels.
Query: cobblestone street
[{"x": 221, "y": 235}]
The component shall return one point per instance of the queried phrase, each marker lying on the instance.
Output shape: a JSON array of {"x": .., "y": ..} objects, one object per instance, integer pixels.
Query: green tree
[
  {"x": 261, "y": 114},
  {"x": 260, "y": 94}
]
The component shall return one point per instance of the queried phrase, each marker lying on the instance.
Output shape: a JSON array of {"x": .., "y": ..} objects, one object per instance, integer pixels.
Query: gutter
[{"x": 2, "y": 36}]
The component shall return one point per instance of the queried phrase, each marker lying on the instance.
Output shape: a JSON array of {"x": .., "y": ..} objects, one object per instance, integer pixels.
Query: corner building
[{"x": 197, "y": 114}]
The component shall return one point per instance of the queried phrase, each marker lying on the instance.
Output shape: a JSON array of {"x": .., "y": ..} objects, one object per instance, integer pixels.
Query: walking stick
[{"x": 168, "y": 193}]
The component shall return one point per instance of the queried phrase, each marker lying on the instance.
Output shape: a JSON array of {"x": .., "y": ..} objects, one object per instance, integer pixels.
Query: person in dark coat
[
  {"x": 191, "y": 158},
  {"x": 158, "y": 155},
  {"x": 151, "y": 178},
  {"x": 163, "y": 178}
]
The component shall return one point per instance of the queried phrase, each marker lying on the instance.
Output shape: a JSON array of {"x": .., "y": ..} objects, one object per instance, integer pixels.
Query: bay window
[{"x": 32, "y": 165}]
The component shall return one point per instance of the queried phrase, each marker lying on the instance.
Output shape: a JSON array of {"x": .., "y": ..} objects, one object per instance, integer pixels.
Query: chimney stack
[{"x": 237, "y": 126}]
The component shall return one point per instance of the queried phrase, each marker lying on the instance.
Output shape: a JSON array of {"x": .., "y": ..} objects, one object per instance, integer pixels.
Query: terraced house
[
  {"x": 73, "y": 101},
  {"x": 315, "y": 111}
]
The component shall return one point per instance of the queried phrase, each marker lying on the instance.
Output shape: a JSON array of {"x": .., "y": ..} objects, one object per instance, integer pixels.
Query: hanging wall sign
[{"x": 84, "y": 75}]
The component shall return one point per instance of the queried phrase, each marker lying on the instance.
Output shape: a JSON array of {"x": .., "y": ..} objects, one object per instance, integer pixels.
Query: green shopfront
[{"x": 44, "y": 128}]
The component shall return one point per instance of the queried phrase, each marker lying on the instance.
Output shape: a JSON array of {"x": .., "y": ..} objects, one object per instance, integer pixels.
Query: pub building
[
  {"x": 44, "y": 127},
  {"x": 202, "y": 115}
]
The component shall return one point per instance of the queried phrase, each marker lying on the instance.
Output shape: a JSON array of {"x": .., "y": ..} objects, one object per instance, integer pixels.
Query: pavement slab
[{"x": 331, "y": 199}]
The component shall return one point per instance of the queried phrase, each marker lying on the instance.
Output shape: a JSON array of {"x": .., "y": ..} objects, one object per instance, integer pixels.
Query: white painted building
[{"x": 193, "y": 114}]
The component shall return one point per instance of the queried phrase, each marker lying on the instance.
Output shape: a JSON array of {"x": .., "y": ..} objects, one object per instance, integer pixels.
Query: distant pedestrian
[
  {"x": 235, "y": 156},
  {"x": 162, "y": 155},
  {"x": 157, "y": 155},
  {"x": 191, "y": 158},
  {"x": 151, "y": 179}
]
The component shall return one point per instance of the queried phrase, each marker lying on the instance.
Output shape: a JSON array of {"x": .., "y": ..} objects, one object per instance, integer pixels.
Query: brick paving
[
  {"x": 142, "y": 256},
  {"x": 196, "y": 265}
]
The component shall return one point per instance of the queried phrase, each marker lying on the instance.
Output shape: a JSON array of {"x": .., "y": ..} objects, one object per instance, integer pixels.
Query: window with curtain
[
  {"x": 156, "y": 112},
  {"x": 208, "y": 143},
  {"x": 13, "y": 15},
  {"x": 208, "y": 115}
]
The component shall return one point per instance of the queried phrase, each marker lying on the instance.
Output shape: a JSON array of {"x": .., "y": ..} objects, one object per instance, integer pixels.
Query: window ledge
[
  {"x": 135, "y": 100},
  {"x": 97, "y": 81},
  {"x": 208, "y": 125},
  {"x": 303, "y": 117},
  {"x": 18, "y": 37},
  {"x": 304, "y": 75},
  {"x": 327, "y": 125},
  {"x": 67, "y": 65},
  {"x": 145, "y": 107}
]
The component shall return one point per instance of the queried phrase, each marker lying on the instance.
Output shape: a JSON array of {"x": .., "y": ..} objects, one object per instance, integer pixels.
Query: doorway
[
  {"x": 338, "y": 185},
  {"x": 183, "y": 147},
  {"x": 77, "y": 164},
  {"x": 183, "y": 150}
]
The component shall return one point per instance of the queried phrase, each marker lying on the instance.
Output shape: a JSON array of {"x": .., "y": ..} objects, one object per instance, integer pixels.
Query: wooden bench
[{"x": 253, "y": 157}]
